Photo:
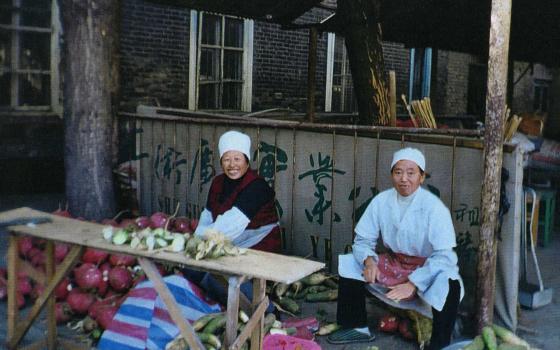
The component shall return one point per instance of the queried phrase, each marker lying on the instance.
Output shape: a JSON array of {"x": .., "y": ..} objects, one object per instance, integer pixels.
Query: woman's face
[
  {"x": 406, "y": 177},
  {"x": 234, "y": 164}
]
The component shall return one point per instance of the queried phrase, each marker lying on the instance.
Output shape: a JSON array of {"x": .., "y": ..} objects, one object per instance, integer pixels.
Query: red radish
[
  {"x": 32, "y": 252},
  {"x": 3, "y": 288},
  {"x": 110, "y": 222},
  {"x": 120, "y": 278},
  {"x": 80, "y": 301},
  {"x": 60, "y": 251},
  {"x": 104, "y": 284},
  {"x": 122, "y": 259},
  {"x": 388, "y": 323},
  {"x": 20, "y": 300},
  {"x": 24, "y": 286},
  {"x": 182, "y": 225},
  {"x": 62, "y": 289},
  {"x": 39, "y": 259},
  {"x": 25, "y": 244},
  {"x": 94, "y": 309},
  {"x": 106, "y": 315},
  {"x": 39, "y": 243},
  {"x": 63, "y": 312},
  {"x": 194, "y": 224},
  {"x": 3, "y": 272},
  {"x": 65, "y": 213},
  {"x": 94, "y": 256},
  {"x": 143, "y": 222},
  {"x": 87, "y": 276},
  {"x": 405, "y": 329},
  {"x": 129, "y": 224},
  {"x": 158, "y": 220},
  {"x": 37, "y": 290}
]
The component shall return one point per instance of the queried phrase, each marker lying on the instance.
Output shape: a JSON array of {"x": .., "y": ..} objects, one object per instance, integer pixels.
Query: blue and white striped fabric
[{"x": 143, "y": 322}]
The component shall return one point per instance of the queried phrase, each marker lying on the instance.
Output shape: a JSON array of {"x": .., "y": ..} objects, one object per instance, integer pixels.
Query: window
[
  {"x": 339, "y": 95},
  {"x": 420, "y": 73},
  {"x": 221, "y": 47},
  {"x": 28, "y": 58},
  {"x": 540, "y": 98}
]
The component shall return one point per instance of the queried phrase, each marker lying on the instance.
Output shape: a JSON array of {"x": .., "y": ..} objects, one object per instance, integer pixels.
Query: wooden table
[{"x": 256, "y": 265}]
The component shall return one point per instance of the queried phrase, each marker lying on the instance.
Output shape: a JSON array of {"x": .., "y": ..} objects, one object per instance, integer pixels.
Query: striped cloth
[{"x": 143, "y": 321}]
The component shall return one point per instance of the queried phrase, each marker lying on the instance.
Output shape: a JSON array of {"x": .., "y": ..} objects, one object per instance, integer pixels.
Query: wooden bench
[{"x": 256, "y": 265}]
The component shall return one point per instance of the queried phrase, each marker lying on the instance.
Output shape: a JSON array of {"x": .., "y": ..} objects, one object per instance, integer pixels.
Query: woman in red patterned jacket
[{"x": 240, "y": 203}]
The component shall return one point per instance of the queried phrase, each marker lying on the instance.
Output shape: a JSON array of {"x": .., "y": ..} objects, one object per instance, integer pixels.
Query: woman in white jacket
[{"x": 418, "y": 234}]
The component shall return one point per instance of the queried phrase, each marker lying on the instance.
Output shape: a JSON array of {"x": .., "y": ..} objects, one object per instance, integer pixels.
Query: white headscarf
[
  {"x": 235, "y": 141},
  {"x": 411, "y": 154}
]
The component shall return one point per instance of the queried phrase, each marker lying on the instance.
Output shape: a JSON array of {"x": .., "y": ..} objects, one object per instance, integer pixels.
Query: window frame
[
  {"x": 345, "y": 78},
  {"x": 15, "y": 33},
  {"x": 195, "y": 49}
]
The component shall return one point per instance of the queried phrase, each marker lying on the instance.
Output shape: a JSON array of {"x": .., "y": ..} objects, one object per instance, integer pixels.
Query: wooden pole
[
  {"x": 392, "y": 98},
  {"x": 311, "y": 72},
  {"x": 500, "y": 20}
]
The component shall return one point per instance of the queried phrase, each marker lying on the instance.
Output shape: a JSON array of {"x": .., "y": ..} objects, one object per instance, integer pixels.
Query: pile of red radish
[{"x": 98, "y": 284}]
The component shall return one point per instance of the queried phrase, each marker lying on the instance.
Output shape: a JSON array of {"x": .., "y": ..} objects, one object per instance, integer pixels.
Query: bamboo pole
[
  {"x": 500, "y": 20},
  {"x": 392, "y": 98}
]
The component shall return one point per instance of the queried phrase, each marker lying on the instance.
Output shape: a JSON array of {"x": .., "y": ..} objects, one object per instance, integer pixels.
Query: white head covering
[
  {"x": 411, "y": 154},
  {"x": 235, "y": 141}
]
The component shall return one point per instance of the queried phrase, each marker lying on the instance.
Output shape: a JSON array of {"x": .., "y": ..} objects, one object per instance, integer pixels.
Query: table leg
[
  {"x": 51, "y": 319},
  {"x": 259, "y": 294},
  {"x": 234, "y": 283},
  {"x": 187, "y": 332},
  {"x": 12, "y": 278},
  {"x": 68, "y": 263}
]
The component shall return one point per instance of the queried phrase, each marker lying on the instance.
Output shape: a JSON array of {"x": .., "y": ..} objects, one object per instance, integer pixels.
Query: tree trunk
[
  {"x": 493, "y": 151},
  {"x": 90, "y": 68},
  {"x": 362, "y": 34}
]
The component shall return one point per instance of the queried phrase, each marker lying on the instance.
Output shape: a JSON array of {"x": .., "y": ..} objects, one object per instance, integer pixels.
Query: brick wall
[
  {"x": 154, "y": 47},
  {"x": 280, "y": 65},
  {"x": 450, "y": 86}
]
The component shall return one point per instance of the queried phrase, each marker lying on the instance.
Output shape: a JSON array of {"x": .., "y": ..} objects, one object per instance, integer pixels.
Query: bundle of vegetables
[
  {"x": 212, "y": 244},
  {"x": 210, "y": 330},
  {"x": 494, "y": 337}
]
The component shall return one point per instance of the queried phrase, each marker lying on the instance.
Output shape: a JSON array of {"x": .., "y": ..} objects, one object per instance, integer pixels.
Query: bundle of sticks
[
  {"x": 511, "y": 124},
  {"x": 420, "y": 112}
]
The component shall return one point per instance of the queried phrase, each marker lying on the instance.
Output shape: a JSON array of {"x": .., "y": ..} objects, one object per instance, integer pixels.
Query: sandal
[{"x": 347, "y": 336}]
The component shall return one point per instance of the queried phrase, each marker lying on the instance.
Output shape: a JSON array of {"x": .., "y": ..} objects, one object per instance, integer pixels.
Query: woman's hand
[
  {"x": 370, "y": 270},
  {"x": 401, "y": 291}
]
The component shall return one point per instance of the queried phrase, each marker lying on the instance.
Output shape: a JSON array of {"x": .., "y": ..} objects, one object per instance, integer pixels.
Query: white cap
[
  {"x": 411, "y": 154},
  {"x": 235, "y": 141}
]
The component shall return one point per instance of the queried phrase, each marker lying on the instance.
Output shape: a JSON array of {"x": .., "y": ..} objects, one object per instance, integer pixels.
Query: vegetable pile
[
  {"x": 170, "y": 234},
  {"x": 89, "y": 297},
  {"x": 494, "y": 337}
]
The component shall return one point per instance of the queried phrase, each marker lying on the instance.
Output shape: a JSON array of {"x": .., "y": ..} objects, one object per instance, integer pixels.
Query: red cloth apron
[{"x": 394, "y": 268}]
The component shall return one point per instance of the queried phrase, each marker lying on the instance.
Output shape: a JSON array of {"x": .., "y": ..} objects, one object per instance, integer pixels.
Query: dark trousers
[{"x": 351, "y": 310}]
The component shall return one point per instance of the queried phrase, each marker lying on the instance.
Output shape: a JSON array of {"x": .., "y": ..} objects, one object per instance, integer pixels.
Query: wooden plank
[
  {"x": 253, "y": 264},
  {"x": 253, "y": 326},
  {"x": 187, "y": 332},
  {"x": 244, "y": 302},
  {"x": 259, "y": 300},
  {"x": 232, "y": 312},
  {"x": 12, "y": 278},
  {"x": 51, "y": 319},
  {"x": 68, "y": 263},
  {"x": 32, "y": 272}
]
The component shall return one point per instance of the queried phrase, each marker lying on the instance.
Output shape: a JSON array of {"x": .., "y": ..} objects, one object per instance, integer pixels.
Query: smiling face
[
  {"x": 406, "y": 177},
  {"x": 234, "y": 164}
]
